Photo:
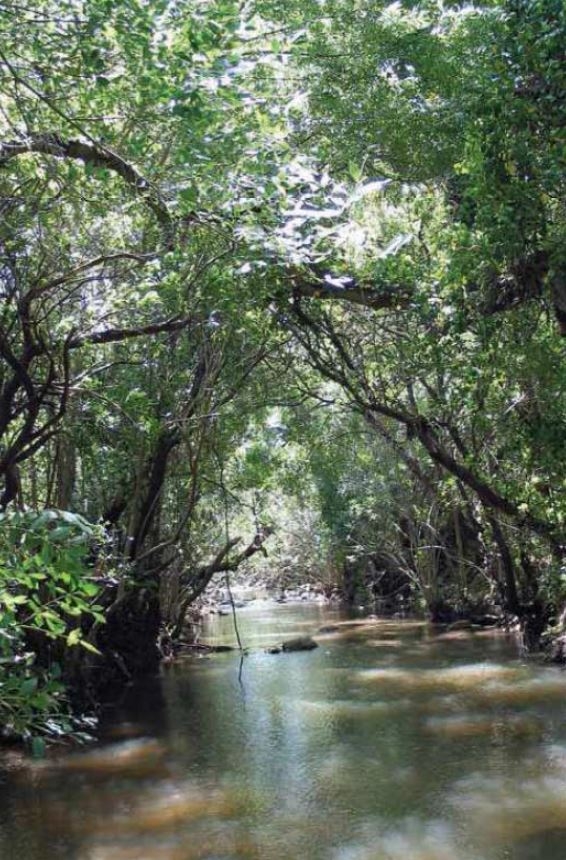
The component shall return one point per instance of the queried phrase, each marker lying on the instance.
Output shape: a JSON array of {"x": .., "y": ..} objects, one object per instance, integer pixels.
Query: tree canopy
[{"x": 267, "y": 263}]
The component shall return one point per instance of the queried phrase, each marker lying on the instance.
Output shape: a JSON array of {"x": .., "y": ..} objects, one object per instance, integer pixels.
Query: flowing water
[{"x": 391, "y": 741}]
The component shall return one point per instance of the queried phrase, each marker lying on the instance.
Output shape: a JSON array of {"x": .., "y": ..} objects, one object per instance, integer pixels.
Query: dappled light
[
  {"x": 509, "y": 811},
  {"x": 316, "y": 755},
  {"x": 464, "y": 678},
  {"x": 282, "y": 423},
  {"x": 476, "y": 726},
  {"x": 142, "y": 757},
  {"x": 411, "y": 842}
]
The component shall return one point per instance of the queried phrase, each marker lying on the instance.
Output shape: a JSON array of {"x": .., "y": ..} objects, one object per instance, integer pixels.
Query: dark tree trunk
[
  {"x": 510, "y": 594},
  {"x": 148, "y": 513},
  {"x": 128, "y": 640}
]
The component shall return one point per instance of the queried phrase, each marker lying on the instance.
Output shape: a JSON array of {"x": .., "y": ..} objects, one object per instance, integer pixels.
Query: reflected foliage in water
[{"x": 391, "y": 741}]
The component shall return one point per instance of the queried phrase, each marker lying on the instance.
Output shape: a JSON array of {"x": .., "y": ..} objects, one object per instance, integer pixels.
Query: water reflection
[
  {"x": 412, "y": 841},
  {"x": 130, "y": 759},
  {"x": 392, "y": 740}
]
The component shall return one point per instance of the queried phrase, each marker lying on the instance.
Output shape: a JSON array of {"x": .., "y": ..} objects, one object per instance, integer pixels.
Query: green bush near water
[{"x": 45, "y": 593}]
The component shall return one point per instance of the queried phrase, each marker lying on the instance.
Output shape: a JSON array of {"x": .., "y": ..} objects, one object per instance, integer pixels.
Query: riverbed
[{"x": 391, "y": 741}]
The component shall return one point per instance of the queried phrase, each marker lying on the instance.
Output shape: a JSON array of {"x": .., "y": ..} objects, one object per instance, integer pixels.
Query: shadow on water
[
  {"x": 136, "y": 710},
  {"x": 391, "y": 741}
]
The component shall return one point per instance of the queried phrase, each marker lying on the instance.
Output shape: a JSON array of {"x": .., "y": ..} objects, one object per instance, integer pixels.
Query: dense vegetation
[{"x": 274, "y": 267}]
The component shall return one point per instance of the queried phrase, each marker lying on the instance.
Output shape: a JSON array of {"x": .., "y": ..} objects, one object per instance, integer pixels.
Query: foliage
[
  {"x": 278, "y": 261},
  {"x": 45, "y": 596}
]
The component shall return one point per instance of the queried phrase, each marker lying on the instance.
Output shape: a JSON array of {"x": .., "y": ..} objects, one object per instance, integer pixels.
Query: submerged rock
[{"x": 300, "y": 643}]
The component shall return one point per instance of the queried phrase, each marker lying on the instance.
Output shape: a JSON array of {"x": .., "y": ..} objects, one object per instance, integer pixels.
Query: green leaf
[{"x": 74, "y": 637}]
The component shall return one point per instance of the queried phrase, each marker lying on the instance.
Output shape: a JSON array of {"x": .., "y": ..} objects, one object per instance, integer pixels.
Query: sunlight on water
[
  {"x": 391, "y": 741},
  {"x": 169, "y": 808},
  {"x": 465, "y": 727},
  {"x": 221, "y": 847},
  {"x": 131, "y": 758},
  {"x": 506, "y": 811},
  {"x": 461, "y": 678},
  {"x": 529, "y": 691},
  {"x": 384, "y": 643},
  {"x": 413, "y": 841}
]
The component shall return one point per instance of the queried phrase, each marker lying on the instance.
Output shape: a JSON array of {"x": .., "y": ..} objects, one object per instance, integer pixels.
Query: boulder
[{"x": 301, "y": 643}]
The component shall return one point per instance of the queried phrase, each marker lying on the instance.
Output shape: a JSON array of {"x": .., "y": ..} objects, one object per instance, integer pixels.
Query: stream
[{"x": 391, "y": 741}]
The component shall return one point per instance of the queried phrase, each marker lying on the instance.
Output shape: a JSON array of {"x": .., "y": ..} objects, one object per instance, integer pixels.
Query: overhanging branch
[
  {"x": 116, "y": 335},
  {"x": 221, "y": 563},
  {"x": 314, "y": 282},
  {"x": 95, "y": 156}
]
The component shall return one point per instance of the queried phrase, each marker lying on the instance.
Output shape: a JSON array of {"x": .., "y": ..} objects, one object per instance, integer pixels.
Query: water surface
[{"x": 391, "y": 741}]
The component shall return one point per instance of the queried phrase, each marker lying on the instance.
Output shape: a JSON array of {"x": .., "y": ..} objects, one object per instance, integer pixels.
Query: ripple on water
[
  {"x": 362, "y": 629},
  {"x": 470, "y": 635},
  {"x": 384, "y": 643}
]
